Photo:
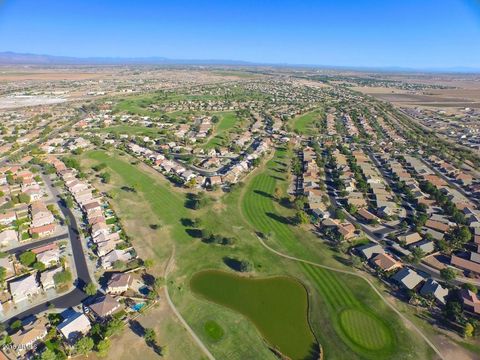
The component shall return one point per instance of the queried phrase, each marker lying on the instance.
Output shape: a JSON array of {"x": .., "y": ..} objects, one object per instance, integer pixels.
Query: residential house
[
  {"x": 47, "y": 278},
  {"x": 465, "y": 264},
  {"x": 427, "y": 246},
  {"x": 385, "y": 262},
  {"x": 26, "y": 339},
  {"x": 105, "y": 306},
  {"x": 119, "y": 283},
  {"x": 22, "y": 289},
  {"x": 8, "y": 237},
  {"x": 409, "y": 238},
  {"x": 367, "y": 215},
  {"x": 471, "y": 301},
  {"x": 49, "y": 257},
  {"x": 113, "y": 256},
  {"x": 407, "y": 278},
  {"x": 369, "y": 250},
  {"x": 43, "y": 231},
  {"x": 74, "y": 327},
  {"x": 40, "y": 214},
  {"x": 433, "y": 288},
  {"x": 7, "y": 218}
]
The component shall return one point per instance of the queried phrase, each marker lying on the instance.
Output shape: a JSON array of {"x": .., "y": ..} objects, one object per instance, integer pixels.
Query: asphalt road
[{"x": 36, "y": 244}]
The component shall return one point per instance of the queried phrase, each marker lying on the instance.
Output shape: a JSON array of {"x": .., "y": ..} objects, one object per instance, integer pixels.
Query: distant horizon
[
  {"x": 430, "y": 34},
  {"x": 162, "y": 60}
]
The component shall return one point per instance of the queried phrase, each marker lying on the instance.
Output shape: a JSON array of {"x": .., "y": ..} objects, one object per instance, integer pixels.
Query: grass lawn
[
  {"x": 304, "y": 123},
  {"x": 278, "y": 306},
  {"x": 214, "y": 331},
  {"x": 228, "y": 120}
]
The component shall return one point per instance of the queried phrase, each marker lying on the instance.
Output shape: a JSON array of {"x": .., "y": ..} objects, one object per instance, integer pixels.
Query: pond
[{"x": 277, "y": 306}]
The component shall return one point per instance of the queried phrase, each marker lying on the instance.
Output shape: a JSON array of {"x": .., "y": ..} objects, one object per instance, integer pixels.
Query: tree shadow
[
  {"x": 263, "y": 193},
  {"x": 194, "y": 233},
  {"x": 137, "y": 328},
  {"x": 148, "y": 279},
  {"x": 342, "y": 260},
  {"x": 285, "y": 202},
  {"x": 233, "y": 263},
  {"x": 186, "y": 222},
  {"x": 313, "y": 352},
  {"x": 277, "y": 178},
  {"x": 281, "y": 219},
  {"x": 190, "y": 201}
]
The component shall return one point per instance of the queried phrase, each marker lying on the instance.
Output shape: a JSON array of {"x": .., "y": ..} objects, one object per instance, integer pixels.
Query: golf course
[
  {"x": 305, "y": 124},
  {"x": 348, "y": 319}
]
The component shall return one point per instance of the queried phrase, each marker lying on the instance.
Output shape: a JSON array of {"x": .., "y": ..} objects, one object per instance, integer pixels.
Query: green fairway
[
  {"x": 213, "y": 330},
  {"x": 305, "y": 123},
  {"x": 227, "y": 121},
  {"x": 276, "y": 305}
]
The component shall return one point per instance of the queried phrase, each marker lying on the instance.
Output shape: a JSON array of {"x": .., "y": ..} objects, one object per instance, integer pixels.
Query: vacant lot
[{"x": 276, "y": 305}]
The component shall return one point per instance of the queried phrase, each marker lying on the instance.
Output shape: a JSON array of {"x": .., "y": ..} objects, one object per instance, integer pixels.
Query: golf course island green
[{"x": 278, "y": 306}]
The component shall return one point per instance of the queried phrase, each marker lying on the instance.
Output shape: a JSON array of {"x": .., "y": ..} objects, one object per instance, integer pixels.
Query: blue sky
[{"x": 407, "y": 33}]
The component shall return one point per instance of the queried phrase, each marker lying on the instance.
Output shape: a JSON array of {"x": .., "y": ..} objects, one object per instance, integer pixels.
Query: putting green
[
  {"x": 213, "y": 330},
  {"x": 278, "y": 306},
  {"x": 365, "y": 330}
]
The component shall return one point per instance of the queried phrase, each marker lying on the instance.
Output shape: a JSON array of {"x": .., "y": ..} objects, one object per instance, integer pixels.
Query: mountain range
[{"x": 13, "y": 58}]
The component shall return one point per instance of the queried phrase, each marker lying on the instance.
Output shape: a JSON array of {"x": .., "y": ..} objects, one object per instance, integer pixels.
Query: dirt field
[
  {"x": 17, "y": 75},
  {"x": 167, "y": 328}
]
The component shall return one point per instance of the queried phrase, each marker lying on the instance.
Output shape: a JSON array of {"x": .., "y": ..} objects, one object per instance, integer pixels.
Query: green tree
[
  {"x": 90, "y": 289},
  {"x": 302, "y": 217},
  {"x": 102, "y": 347},
  {"x": 16, "y": 325},
  {"x": 148, "y": 263},
  {"x": 448, "y": 274},
  {"x": 471, "y": 287},
  {"x": 3, "y": 274},
  {"x": 468, "y": 330},
  {"x": 39, "y": 266},
  {"x": 48, "y": 355},
  {"x": 62, "y": 277},
  {"x": 417, "y": 255},
  {"x": 27, "y": 258},
  {"x": 114, "y": 326},
  {"x": 150, "y": 336},
  {"x": 84, "y": 345}
]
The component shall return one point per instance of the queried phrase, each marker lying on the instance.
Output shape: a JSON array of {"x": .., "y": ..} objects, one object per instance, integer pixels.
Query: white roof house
[
  {"x": 7, "y": 237},
  {"x": 408, "y": 278},
  {"x": 46, "y": 278},
  {"x": 23, "y": 288},
  {"x": 113, "y": 256},
  {"x": 48, "y": 257},
  {"x": 74, "y": 327}
]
